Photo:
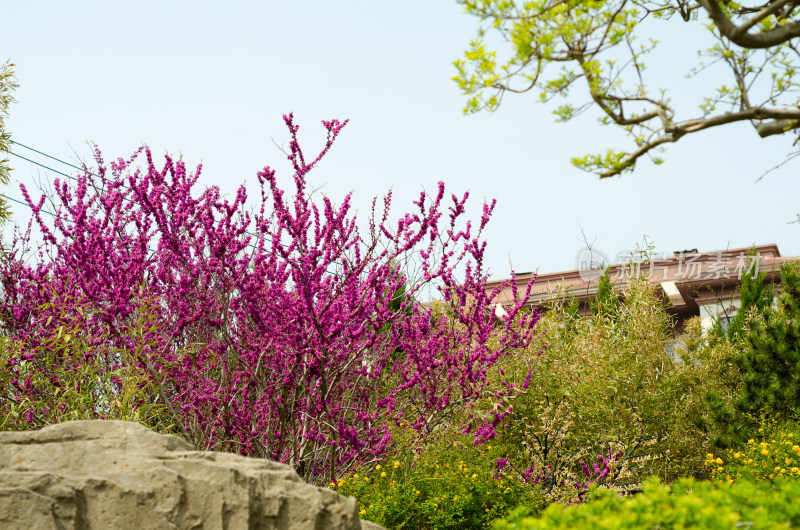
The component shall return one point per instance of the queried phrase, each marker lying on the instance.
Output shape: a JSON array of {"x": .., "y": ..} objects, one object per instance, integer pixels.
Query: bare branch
[
  {"x": 771, "y": 128},
  {"x": 739, "y": 35},
  {"x": 676, "y": 132}
]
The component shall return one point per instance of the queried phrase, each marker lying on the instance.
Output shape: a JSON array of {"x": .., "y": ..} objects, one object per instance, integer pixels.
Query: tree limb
[{"x": 739, "y": 34}]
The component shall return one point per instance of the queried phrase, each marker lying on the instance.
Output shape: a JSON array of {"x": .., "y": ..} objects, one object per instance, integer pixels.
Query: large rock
[{"x": 116, "y": 474}]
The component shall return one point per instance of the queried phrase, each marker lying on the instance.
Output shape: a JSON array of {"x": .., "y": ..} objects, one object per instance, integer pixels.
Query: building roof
[{"x": 687, "y": 278}]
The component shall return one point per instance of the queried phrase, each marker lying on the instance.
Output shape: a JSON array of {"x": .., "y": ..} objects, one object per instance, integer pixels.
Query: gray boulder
[{"x": 116, "y": 474}]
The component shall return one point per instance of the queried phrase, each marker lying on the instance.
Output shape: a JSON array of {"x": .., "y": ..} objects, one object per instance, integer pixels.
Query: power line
[
  {"x": 267, "y": 238},
  {"x": 41, "y": 165},
  {"x": 80, "y": 169},
  {"x": 41, "y": 209},
  {"x": 24, "y": 204},
  {"x": 50, "y": 157}
]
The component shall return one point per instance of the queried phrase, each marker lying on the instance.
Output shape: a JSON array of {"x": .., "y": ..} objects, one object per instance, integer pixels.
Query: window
[{"x": 725, "y": 322}]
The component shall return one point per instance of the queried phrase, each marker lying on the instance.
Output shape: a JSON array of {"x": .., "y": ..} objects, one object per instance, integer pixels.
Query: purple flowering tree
[{"x": 285, "y": 331}]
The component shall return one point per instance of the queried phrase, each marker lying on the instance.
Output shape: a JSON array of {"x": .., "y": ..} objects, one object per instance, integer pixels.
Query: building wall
[{"x": 714, "y": 311}]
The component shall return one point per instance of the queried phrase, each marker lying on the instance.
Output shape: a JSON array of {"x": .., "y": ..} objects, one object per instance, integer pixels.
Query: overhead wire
[
  {"x": 24, "y": 203},
  {"x": 50, "y": 157},
  {"x": 95, "y": 175}
]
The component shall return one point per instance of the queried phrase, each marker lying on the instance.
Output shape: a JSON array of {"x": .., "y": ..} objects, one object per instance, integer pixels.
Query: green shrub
[
  {"x": 688, "y": 504},
  {"x": 606, "y": 386},
  {"x": 769, "y": 365},
  {"x": 449, "y": 484},
  {"x": 755, "y": 296},
  {"x": 66, "y": 376}
]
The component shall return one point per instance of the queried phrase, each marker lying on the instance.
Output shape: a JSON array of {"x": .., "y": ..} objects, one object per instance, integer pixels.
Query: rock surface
[{"x": 115, "y": 474}]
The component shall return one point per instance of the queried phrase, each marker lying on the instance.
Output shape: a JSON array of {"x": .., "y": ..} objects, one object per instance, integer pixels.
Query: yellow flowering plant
[
  {"x": 450, "y": 483},
  {"x": 773, "y": 454}
]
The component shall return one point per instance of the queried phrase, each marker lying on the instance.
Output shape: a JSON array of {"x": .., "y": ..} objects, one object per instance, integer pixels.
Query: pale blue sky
[{"x": 211, "y": 81}]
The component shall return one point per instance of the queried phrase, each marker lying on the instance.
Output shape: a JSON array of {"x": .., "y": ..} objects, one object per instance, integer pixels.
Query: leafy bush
[
  {"x": 63, "y": 376},
  {"x": 775, "y": 454},
  {"x": 8, "y": 84},
  {"x": 449, "y": 484},
  {"x": 606, "y": 404},
  {"x": 687, "y": 504}
]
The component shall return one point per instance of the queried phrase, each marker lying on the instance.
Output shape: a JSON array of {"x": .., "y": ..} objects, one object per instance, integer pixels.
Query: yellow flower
[
  {"x": 737, "y": 455},
  {"x": 487, "y": 510},
  {"x": 383, "y": 473},
  {"x": 362, "y": 512},
  {"x": 396, "y": 464},
  {"x": 787, "y": 461},
  {"x": 720, "y": 469},
  {"x": 718, "y": 461},
  {"x": 474, "y": 476},
  {"x": 416, "y": 491},
  {"x": 355, "y": 476},
  {"x": 751, "y": 441},
  {"x": 489, "y": 447},
  {"x": 764, "y": 452},
  {"x": 377, "y": 467},
  {"x": 710, "y": 456}
]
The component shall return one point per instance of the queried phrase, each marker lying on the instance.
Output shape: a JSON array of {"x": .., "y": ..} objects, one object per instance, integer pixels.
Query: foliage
[
  {"x": 565, "y": 470},
  {"x": 272, "y": 333},
  {"x": 769, "y": 366},
  {"x": 686, "y": 504},
  {"x": 605, "y": 393},
  {"x": 555, "y": 46},
  {"x": 772, "y": 362},
  {"x": 755, "y": 297},
  {"x": 776, "y": 456},
  {"x": 449, "y": 483},
  {"x": 63, "y": 377},
  {"x": 8, "y": 84},
  {"x": 606, "y": 299}
]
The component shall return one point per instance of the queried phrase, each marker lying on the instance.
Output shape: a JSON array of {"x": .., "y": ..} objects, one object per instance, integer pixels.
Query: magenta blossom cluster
[
  {"x": 286, "y": 330},
  {"x": 548, "y": 475}
]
